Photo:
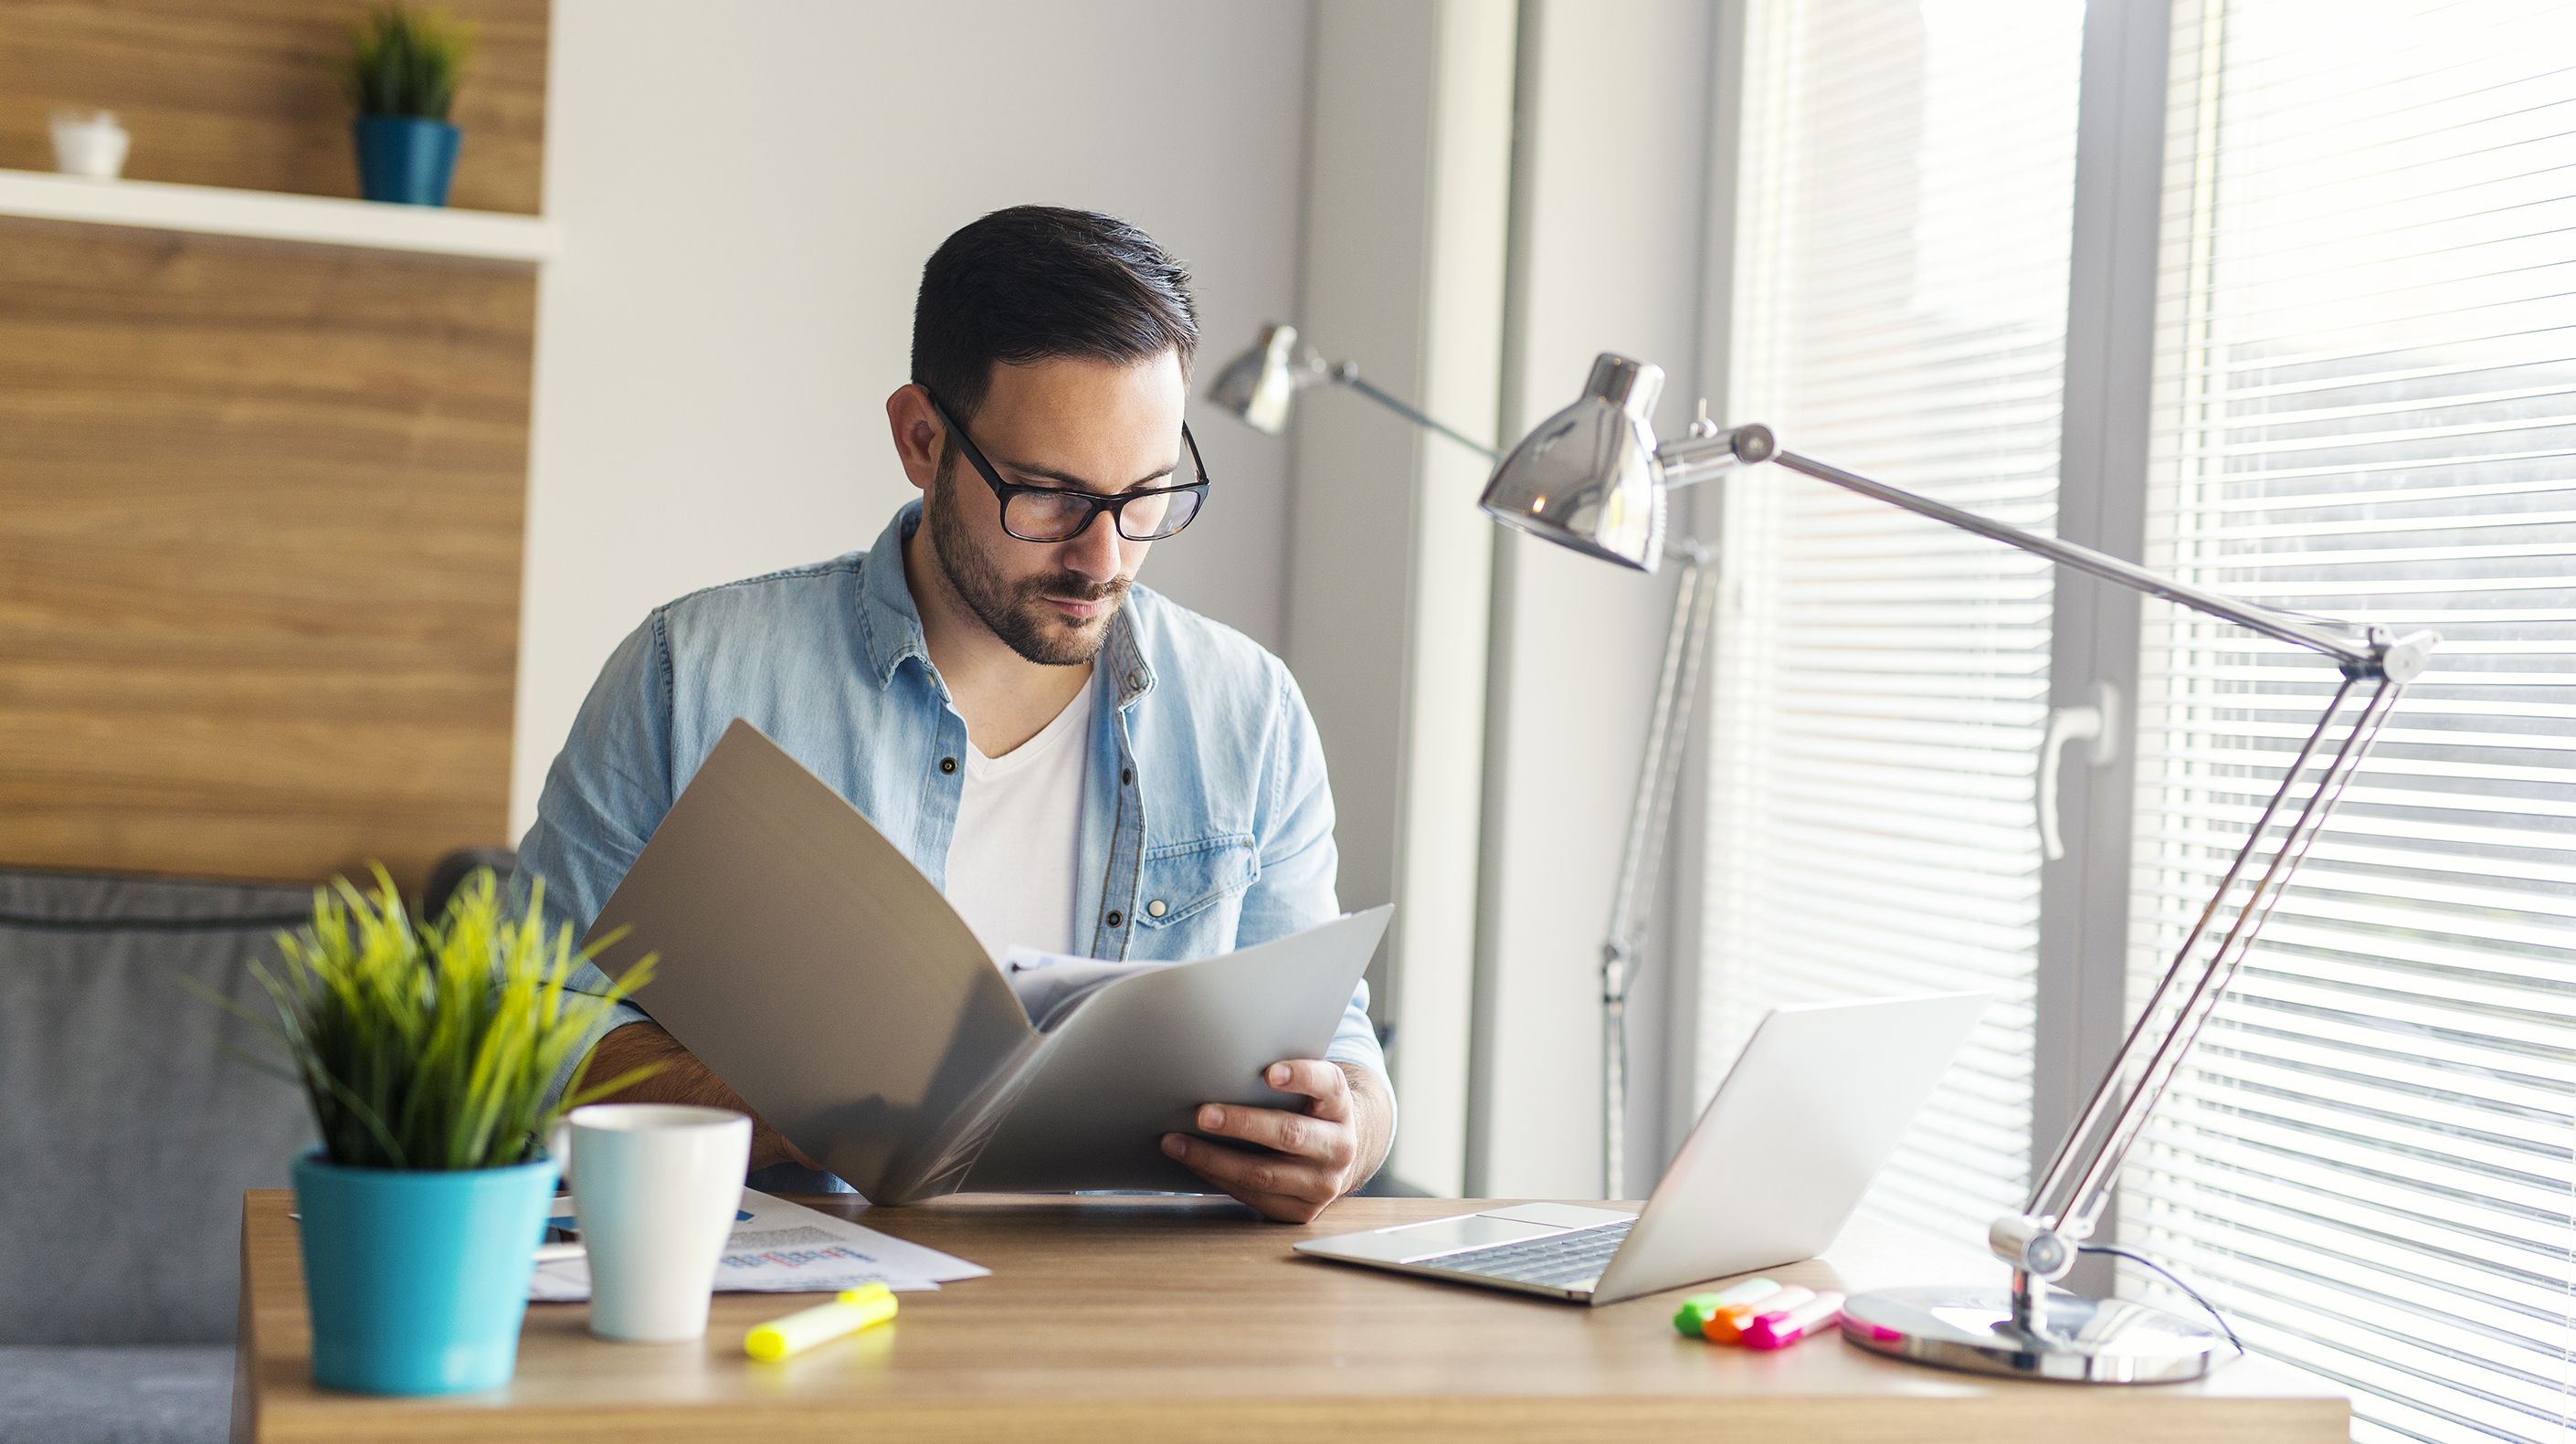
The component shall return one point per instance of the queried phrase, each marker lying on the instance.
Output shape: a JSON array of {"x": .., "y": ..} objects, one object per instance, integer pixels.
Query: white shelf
[{"x": 276, "y": 216}]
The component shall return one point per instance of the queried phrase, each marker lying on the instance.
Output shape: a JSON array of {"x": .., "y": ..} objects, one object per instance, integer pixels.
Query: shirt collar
[
  {"x": 1121, "y": 659},
  {"x": 892, "y": 623},
  {"x": 887, "y": 617}
]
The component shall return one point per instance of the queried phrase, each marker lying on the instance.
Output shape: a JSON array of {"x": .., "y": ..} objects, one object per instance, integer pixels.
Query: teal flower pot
[
  {"x": 406, "y": 158},
  {"x": 418, "y": 1280}
]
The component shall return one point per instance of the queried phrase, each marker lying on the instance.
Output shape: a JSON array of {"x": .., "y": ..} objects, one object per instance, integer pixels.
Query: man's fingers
[
  {"x": 1320, "y": 1139},
  {"x": 1277, "y": 1207},
  {"x": 1241, "y": 1173},
  {"x": 769, "y": 1146},
  {"x": 1307, "y": 1158},
  {"x": 1324, "y": 1082}
]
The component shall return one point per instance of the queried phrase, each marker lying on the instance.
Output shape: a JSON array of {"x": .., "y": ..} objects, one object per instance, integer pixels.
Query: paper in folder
[{"x": 813, "y": 968}]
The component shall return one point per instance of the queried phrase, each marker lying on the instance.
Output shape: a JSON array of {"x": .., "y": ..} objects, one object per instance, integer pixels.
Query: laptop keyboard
[{"x": 1559, "y": 1258}]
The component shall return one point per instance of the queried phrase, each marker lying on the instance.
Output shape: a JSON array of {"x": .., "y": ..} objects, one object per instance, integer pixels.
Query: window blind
[
  {"x": 2365, "y": 405},
  {"x": 1880, "y": 682}
]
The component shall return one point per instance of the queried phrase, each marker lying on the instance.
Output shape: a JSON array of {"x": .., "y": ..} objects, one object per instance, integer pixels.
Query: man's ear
[{"x": 918, "y": 433}]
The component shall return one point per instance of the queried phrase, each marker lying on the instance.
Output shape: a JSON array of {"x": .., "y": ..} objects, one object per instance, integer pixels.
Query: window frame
[
  {"x": 2082, "y": 979},
  {"x": 2085, "y": 946}
]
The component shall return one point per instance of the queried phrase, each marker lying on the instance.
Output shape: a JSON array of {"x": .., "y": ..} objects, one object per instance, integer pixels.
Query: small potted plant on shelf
[
  {"x": 426, "y": 1051},
  {"x": 402, "y": 77}
]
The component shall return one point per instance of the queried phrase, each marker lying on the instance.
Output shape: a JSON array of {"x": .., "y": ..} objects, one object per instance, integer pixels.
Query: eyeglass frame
[{"x": 1115, "y": 505}]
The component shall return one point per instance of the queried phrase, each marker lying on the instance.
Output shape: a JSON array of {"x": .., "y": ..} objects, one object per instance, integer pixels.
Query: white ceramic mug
[{"x": 655, "y": 1187}]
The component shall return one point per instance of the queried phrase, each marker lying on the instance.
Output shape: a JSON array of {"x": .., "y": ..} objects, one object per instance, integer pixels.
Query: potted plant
[
  {"x": 402, "y": 77},
  {"x": 426, "y": 1052}
]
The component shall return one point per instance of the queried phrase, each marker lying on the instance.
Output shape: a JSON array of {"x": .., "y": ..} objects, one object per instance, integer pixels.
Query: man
[{"x": 1080, "y": 764}]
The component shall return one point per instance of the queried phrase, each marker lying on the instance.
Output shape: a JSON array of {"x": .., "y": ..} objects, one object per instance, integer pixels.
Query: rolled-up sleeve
[
  {"x": 1295, "y": 888},
  {"x": 607, "y": 791}
]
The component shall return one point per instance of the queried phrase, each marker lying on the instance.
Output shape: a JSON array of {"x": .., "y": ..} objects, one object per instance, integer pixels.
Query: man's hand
[
  {"x": 681, "y": 1078},
  {"x": 1302, "y": 1161}
]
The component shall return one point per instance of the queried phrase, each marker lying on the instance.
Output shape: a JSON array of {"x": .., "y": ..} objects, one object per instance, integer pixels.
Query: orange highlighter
[
  {"x": 1726, "y": 1325},
  {"x": 1691, "y": 1320}
]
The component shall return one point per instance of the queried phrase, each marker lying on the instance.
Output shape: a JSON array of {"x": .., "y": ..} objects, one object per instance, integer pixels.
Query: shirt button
[
  {"x": 1136, "y": 679},
  {"x": 1127, "y": 775},
  {"x": 1155, "y": 908},
  {"x": 947, "y": 764},
  {"x": 1115, "y": 917}
]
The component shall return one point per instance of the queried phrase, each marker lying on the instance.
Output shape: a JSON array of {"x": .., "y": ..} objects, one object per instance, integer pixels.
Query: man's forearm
[{"x": 681, "y": 1078}]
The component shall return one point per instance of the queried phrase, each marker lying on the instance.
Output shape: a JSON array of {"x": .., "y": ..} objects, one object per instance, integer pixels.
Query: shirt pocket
[{"x": 1191, "y": 898}]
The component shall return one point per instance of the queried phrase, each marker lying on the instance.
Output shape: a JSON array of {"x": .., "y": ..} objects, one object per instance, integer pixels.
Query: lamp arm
[
  {"x": 2080, "y": 1205},
  {"x": 1686, "y": 462},
  {"x": 1347, "y": 373}
]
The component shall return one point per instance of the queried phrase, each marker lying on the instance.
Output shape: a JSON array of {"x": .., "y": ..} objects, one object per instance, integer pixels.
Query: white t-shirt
[{"x": 1019, "y": 825}]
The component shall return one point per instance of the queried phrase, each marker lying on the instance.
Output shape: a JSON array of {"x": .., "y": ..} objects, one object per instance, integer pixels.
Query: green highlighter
[{"x": 1695, "y": 1310}]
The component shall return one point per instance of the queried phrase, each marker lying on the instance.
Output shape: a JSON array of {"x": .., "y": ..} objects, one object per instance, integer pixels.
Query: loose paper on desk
[{"x": 787, "y": 1248}]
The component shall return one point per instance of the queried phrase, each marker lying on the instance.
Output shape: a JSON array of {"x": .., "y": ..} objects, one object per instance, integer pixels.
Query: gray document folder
[{"x": 813, "y": 968}]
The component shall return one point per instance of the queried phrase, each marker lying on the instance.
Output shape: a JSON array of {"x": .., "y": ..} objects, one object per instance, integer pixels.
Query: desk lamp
[
  {"x": 1258, "y": 387},
  {"x": 1593, "y": 477}
]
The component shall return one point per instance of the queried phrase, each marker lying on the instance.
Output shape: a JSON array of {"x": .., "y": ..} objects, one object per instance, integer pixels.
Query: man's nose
[{"x": 1094, "y": 553}]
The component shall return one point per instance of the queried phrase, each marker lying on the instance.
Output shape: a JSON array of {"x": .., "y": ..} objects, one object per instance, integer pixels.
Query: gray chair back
[{"x": 127, "y": 1131}]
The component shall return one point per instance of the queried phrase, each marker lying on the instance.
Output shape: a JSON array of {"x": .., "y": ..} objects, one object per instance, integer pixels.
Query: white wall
[
  {"x": 748, "y": 193},
  {"x": 1610, "y": 181},
  {"x": 1409, "y": 187}
]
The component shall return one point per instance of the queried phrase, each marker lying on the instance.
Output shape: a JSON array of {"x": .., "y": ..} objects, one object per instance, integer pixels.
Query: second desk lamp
[{"x": 1259, "y": 388}]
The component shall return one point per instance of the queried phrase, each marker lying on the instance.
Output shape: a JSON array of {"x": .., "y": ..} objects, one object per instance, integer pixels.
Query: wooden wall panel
[
  {"x": 247, "y": 92},
  {"x": 261, "y": 511}
]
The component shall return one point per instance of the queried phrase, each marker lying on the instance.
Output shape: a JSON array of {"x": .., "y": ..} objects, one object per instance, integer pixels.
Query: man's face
[{"x": 1081, "y": 425}]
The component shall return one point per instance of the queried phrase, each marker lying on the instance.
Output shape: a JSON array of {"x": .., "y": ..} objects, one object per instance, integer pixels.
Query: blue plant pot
[
  {"x": 418, "y": 1280},
  {"x": 406, "y": 158}
]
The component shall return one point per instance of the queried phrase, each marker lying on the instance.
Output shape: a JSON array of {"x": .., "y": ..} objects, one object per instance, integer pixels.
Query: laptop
[{"x": 1769, "y": 1174}]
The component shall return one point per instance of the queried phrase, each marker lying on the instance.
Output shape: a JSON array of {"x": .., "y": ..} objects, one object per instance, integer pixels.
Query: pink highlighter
[
  {"x": 1726, "y": 1325},
  {"x": 1783, "y": 1327}
]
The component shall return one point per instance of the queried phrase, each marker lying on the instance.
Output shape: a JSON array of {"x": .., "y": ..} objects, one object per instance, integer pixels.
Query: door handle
[{"x": 2095, "y": 724}]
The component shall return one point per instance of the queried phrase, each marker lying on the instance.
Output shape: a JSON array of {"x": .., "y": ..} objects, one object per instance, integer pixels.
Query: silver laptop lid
[{"x": 1789, "y": 1142}]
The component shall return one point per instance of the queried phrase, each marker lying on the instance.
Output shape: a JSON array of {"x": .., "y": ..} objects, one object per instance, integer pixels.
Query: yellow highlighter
[{"x": 854, "y": 1310}]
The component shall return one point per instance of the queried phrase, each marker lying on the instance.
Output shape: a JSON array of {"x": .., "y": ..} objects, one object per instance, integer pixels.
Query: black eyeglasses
[{"x": 1059, "y": 514}]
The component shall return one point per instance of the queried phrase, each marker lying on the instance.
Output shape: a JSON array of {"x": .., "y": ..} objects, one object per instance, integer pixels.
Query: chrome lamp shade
[
  {"x": 1587, "y": 477},
  {"x": 1259, "y": 386}
]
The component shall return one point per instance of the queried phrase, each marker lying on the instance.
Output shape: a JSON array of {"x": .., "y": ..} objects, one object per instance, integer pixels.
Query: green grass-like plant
[
  {"x": 430, "y": 1046},
  {"x": 405, "y": 63}
]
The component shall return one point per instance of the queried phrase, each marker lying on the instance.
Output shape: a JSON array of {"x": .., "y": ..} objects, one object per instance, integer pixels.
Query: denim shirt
[{"x": 1207, "y": 824}]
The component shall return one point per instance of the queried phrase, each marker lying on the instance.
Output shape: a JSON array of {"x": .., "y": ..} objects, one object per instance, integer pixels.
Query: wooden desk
[{"x": 1181, "y": 1319}]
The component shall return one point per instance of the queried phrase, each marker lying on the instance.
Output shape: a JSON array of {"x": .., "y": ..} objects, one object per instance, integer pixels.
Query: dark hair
[{"x": 1036, "y": 282}]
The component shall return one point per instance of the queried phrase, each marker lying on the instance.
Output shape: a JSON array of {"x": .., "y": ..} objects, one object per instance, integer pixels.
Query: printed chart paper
[{"x": 787, "y": 1248}]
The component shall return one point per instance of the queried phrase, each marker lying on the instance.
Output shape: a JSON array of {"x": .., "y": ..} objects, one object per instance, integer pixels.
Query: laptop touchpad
[
  {"x": 1414, "y": 1242},
  {"x": 1561, "y": 1215}
]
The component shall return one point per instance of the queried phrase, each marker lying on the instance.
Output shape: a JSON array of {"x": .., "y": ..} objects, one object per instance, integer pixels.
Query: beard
[{"x": 1017, "y": 612}]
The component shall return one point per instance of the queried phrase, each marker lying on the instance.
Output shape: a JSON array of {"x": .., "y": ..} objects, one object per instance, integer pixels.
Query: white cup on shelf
[
  {"x": 655, "y": 1187},
  {"x": 89, "y": 143}
]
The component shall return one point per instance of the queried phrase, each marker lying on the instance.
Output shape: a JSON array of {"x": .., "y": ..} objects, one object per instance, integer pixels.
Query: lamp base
[{"x": 2079, "y": 1340}]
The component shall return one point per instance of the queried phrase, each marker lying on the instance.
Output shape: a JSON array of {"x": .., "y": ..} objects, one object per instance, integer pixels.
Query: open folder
[{"x": 813, "y": 968}]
